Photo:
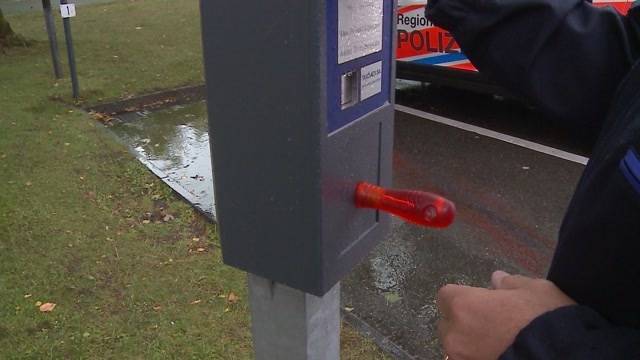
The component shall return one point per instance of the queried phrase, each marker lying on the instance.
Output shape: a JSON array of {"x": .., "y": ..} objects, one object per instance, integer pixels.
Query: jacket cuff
[{"x": 555, "y": 334}]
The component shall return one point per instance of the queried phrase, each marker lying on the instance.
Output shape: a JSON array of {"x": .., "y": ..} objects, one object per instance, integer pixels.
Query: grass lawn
[{"x": 133, "y": 270}]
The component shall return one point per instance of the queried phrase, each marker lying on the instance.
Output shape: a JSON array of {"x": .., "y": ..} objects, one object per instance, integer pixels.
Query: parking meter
[
  {"x": 300, "y": 100},
  {"x": 300, "y": 108}
]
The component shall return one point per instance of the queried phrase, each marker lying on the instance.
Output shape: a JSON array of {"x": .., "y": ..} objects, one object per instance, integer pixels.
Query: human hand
[{"x": 479, "y": 324}]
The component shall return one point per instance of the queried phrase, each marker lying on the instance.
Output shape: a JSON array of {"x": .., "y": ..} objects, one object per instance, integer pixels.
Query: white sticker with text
[
  {"x": 359, "y": 28},
  {"x": 370, "y": 80}
]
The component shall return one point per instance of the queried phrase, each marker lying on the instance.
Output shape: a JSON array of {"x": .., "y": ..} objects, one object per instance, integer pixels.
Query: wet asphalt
[{"x": 510, "y": 201}]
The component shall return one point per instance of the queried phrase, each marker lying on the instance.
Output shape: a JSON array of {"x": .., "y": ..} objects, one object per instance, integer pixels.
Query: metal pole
[
  {"x": 53, "y": 40},
  {"x": 66, "y": 22},
  {"x": 289, "y": 324}
]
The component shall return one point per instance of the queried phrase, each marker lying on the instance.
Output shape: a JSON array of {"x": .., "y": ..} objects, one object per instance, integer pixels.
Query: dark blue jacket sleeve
[
  {"x": 566, "y": 56},
  {"x": 574, "y": 332}
]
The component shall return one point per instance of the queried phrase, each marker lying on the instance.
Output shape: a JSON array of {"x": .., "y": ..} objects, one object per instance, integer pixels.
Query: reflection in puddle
[{"x": 174, "y": 144}]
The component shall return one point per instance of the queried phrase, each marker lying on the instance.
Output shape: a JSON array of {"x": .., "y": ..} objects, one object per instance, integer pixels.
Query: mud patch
[
  {"x": 198, "y": 227},
  {"x": 158, "y": 214},
  {"x": 149, "y": 102},
  {"x": 168, "y": 239}
]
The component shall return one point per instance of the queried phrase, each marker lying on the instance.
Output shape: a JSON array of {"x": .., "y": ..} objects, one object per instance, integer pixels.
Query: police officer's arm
[
  {"x": 565, "y": 55},
  {"x": 574, "y": 332}
]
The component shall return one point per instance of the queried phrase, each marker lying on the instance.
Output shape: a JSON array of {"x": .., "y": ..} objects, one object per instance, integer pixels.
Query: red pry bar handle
[{"x": 418, "y": 207}]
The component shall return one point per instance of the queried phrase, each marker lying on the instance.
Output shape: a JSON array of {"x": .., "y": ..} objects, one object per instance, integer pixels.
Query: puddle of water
[{"x": 174, "y": 144}]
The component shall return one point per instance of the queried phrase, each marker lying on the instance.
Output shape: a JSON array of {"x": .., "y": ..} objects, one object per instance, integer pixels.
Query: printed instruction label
[
  {"x": 370, "y": 80},
  {"x": 68, "y": 10},
  {"x": 359, "y": 28}
]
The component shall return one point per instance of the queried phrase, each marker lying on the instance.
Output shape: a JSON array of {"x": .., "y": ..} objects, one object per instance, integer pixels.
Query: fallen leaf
[
  {"x": 157, "y": 308},
  {"x": 26, "y": 296},
  {"x": 146, "y": 221},
  {"x": 222, "y": 296},
  {"x": 102, "y": 117},
  {"x": 232, "y": 298},
  {"x": 227, "y": 310},
  {"x": 47, "y": 307},
  {"x": 67, "y": 144},
  {"x": 86, "y": 334},
  {"x": 28, "y": 183},
  {"x": 196, "y": 302},
  {"x": 38, "y": 303},
  {"x": 348, "y": 309},
  {"x": 201, "y": 249},
  {"x": 392, "y": 297},
  {"x": 138, "y": 27},
  {"x": 168, "y": 218},
  {"x": 195, "y": 239}
]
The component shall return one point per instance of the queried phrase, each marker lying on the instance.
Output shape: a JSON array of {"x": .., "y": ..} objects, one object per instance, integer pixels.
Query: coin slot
[{"x": 349, "y": 95}]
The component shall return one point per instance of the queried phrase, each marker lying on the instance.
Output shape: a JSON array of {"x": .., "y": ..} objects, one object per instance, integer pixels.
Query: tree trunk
[
  {"x": 5, "y": 29},
  {"x": 7, "y": 36}
]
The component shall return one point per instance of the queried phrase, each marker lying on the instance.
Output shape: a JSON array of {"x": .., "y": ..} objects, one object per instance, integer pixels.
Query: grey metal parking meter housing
[{"x": 300, "y": 101}]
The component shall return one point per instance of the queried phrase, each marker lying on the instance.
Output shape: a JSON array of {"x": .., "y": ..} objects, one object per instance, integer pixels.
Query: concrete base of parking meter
[{"x": 290, "y": 324}]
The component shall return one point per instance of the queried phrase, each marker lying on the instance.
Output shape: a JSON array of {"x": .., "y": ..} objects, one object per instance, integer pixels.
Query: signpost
[
  {"x": 68, "y": 11},
  {"x": 53, "y": 40}
]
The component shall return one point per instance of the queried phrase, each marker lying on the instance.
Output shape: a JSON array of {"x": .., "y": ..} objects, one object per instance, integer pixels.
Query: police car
[{"x": 430, "y": 54}]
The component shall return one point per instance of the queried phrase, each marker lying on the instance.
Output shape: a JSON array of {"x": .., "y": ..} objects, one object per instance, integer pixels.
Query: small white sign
[
  {"x": 370, "y": 80},
  {"x": 68, "y": 10}
]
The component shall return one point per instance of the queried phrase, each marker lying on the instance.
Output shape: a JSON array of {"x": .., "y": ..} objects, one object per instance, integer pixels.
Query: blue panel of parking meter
[{"x": 300, "y": 107}]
